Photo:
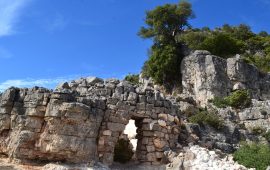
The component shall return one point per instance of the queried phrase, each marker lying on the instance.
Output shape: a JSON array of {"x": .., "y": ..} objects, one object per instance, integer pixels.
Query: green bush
[
  {"x": 253, "y": 156},
  {"x": 262, "y": 63},
  {"x": 222, "y": 45},
  {"x": 122, "y": 151},
  {"x": 238, "y": 99},
  {"x": 258, "y": 130},
  {"x": 133, "y": 78},
  {"x": 198, "y": 118},
  {"x": 267, "y": 136},
  {"x": 210, "y": 119},
  {"x": 219, "y": 102}
]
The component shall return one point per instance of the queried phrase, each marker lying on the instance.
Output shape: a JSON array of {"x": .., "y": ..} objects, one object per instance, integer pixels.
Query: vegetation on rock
[
  {"x": 237, "y": 99},
  {"x": 263, "y": 63},
  {"x": 267, "y": 136},
  {"x": 133, "y": 78},
  {"x": 253, "y": 156},
  {"x": 169, "y": 28},
  {"x": 207, "y": 118},
  {"x": 227, "y": 41},
  {"x": 216, "y": 42},
  {"x": 257, "y": 130}
]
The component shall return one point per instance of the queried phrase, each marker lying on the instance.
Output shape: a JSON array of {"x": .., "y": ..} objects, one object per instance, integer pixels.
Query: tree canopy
[
  {"x": 169, "y": 28},
  {"x": 163, "y": 25}
]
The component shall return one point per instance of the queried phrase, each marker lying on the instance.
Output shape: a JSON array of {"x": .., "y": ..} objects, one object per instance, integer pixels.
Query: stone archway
[{"x": 156, "y": 132}]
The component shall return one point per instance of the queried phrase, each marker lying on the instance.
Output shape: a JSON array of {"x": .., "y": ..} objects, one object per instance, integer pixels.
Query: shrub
[
  {"x": 219, "y": 102},
  {"x": 267, "y": 136},
  {"x": 198, "y": 118},
  {"x": 133, "y": 78},
  {"x": 123, "y": 151},
  {"x": 238, "y": 99},
  {"x": 262, "y": 63},
  {"x": 253, "y": 156},
  {"x": 222, "y": 45},
  {"x": 210, "y": 119},
  {"x": 257, "y": 130}
]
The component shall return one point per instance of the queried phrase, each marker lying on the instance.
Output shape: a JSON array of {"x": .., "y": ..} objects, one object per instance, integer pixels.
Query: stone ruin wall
[{"x": 81, "y": 121}]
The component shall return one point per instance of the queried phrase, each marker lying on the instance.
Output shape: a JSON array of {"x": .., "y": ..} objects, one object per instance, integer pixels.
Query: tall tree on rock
[{"x": 164, "y": 24}]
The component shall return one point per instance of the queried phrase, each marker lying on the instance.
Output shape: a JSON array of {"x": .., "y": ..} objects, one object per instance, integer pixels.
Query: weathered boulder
[{"x": 204, "y": 76}]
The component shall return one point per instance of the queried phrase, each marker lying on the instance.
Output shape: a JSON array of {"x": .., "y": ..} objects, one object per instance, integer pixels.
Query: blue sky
[{"x": 43, "y": 42}]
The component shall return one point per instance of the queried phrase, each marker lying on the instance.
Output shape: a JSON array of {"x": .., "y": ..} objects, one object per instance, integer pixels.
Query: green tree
[
  {"x": 164, "y": 64},
  {"x": 164, "y": 24},
  {"x": 241, "y": 32},
  {"x": 263, "y": 34},
  {"x": 255, "y": 44},
  {"x": 223, "y": 45},
  {"x": 194, "y": 39}
]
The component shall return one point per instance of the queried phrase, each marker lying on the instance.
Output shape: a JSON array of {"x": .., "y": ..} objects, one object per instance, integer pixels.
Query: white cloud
[
  {"x": 48, "y": 83},
  {"x": 10, "y": 11}
]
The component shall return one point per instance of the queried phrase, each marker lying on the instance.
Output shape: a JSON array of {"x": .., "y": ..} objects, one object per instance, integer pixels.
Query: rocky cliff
[{"x": 205, "y": 76}]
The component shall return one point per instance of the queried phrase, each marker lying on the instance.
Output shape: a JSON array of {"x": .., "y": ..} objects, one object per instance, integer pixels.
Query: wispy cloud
[
  {"x": 56, "y": 24},
  {"x": 10, "y": 11},
  {"x": 48, "y": 83},
  {"x": 51, "y": 83}
]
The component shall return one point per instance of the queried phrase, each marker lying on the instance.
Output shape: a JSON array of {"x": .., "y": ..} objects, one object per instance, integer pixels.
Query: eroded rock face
[
  {"x": 196, "y": 157},
  {"x": 81, "y": 121},
  {"x": 257, "y": 116},
  {"x": 206, "y": 76}
]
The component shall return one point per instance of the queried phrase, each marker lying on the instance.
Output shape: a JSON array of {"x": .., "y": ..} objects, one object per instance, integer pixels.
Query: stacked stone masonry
[{"x": 81, "y": 121}]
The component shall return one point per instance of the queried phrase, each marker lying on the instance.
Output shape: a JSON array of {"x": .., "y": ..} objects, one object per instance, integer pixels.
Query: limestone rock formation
[
  {"x": 81, "y": 121},
  {"x": 205, "y": 76},
  {"x": 196, "y": 157}
]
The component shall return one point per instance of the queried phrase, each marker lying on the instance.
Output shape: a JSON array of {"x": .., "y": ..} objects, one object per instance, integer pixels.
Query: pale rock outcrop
[
  {"x": 205, "y": 76},
  {"x": 256, "y": 116},
  {"x": 198, "y": 158}
]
